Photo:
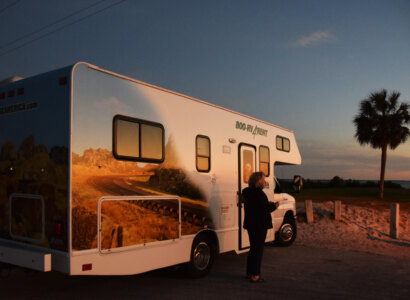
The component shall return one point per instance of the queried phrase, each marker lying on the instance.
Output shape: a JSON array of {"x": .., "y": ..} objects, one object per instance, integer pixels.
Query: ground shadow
[{"x": 398, "y": 242}]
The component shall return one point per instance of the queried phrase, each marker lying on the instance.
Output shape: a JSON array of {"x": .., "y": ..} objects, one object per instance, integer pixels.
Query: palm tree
[{"x": 381, "y": 122}]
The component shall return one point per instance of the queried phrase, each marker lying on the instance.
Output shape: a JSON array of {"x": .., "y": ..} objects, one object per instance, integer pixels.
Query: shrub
[{"x": 174, "y": 181}]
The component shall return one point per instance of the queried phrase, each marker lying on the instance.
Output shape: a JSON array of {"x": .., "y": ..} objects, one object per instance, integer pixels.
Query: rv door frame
[{"x": 240, "y": 191}]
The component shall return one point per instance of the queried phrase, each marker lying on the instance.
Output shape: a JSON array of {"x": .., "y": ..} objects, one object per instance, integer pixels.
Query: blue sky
[{"x": 303, "y": 65}]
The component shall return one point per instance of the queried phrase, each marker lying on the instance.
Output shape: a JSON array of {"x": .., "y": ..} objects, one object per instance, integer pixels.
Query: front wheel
[
  {"x": 202, "y": 258},
  {"x": 286, "y": 234}
]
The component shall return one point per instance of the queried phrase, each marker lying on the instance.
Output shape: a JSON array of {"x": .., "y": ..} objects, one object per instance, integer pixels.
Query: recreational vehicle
[{"x": 104, "y": 174}]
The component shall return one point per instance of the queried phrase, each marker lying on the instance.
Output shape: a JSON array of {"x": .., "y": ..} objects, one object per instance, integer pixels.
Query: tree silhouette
[{"x": 381, "y": 122}]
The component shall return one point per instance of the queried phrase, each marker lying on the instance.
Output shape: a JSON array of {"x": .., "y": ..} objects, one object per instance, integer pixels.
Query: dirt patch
[{"x": 362, "y": 228}]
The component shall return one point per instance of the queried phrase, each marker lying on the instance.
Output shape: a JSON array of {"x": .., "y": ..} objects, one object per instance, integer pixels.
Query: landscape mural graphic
[
  {"x": 96, "y": 173},
  {"x": 97, "y": 98},
  {"x": 33, "y": 170}
]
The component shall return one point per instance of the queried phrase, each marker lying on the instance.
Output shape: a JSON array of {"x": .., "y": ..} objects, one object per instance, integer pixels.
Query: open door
[{"x": 247, "y": 165}]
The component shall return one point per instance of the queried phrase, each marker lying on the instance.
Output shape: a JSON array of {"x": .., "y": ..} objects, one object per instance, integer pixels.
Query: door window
[{"x": 247, "y": 165}]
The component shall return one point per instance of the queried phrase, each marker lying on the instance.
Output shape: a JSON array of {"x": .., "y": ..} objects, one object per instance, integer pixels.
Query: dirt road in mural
[
  {"x": 115, "y": 185},
  {"x": 127, "y": 223},
  {"x": 126, "y": 186}
]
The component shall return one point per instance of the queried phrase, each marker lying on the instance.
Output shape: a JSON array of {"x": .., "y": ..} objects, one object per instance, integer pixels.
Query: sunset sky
[{"x": 303, "y": 65}]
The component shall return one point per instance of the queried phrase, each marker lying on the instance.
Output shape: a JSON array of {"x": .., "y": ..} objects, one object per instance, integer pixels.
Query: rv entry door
[{"x": 247, "y": 165}]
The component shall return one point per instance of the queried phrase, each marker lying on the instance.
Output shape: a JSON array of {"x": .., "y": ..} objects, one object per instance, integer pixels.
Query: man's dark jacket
[{"x": 257, "y": 209}]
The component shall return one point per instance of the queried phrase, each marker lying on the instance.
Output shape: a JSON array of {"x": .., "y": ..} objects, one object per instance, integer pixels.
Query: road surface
[{"x": 296, "y": 272}]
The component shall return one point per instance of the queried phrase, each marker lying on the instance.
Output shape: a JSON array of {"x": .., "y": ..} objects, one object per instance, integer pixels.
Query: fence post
[
  {"x": 309, "y": 211},
  {"x": 119, "y": 236},
  {"x": 337, "y": 209},
  {"x": 394, "y": 220}
]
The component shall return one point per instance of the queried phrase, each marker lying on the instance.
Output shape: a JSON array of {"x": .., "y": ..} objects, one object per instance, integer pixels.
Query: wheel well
[
  {"x": 289, "y": 214},
  {"x": 209, "y": 235}
]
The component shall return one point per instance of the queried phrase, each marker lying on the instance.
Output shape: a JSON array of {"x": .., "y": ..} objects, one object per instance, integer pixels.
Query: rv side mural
[
  {"x": 34, "y": 116},
  {"x": 97, "y": 173},
  {"x": 32, "y": 170}
]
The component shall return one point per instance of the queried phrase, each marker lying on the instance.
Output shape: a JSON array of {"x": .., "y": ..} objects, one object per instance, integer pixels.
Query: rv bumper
[{"x": 25, "y": 257}]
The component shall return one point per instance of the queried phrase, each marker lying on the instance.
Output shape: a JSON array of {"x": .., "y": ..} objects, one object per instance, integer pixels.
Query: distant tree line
[{"x": 338, "y": 181}]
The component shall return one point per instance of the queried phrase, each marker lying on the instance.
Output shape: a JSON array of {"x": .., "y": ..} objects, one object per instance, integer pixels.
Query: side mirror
[{"x": 297, "y": 183}]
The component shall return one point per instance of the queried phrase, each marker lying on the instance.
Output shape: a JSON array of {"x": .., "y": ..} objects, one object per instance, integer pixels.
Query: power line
[
  {"x": 2, "y": 10},
  {"x": 61, "y": 28},
  {"x": 49, "y": 25}
]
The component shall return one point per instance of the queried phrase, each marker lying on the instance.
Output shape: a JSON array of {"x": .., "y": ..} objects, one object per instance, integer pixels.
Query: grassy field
[{"x": 365, "y": 193}]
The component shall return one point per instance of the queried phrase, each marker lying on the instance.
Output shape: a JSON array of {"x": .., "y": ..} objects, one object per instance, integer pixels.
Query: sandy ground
[{"x": 364, "y": 229}]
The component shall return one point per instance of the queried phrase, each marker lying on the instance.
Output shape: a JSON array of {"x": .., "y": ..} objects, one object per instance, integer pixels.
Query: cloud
[
  {"x": 317, "y": 37},
  {"x": 111, "y": 105}
]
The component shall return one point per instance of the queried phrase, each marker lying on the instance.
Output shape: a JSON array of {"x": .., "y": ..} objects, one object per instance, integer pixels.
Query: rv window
[
  {"x": 264, "y": 160},
  {"x": 138, "y": 140},
  {"x": 127, "y": 138},
  {"x": 203, "y": 153},
  {"x": 151, "y": 141},
  {"x": 282, "y": 143},
  {"x": 286, "y": 145},
  {"x": 279, "y": 143},
  {"x": 247, "y": 165}
]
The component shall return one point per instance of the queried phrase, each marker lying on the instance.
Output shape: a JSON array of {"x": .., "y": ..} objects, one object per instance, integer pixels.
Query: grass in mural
[{"x": 124, "y": 224}]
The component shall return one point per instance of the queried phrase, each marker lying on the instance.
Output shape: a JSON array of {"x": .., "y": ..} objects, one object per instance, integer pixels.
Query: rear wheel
[
  {"x": 286, "y": 234},
  {"x": 202, "y": 258}
]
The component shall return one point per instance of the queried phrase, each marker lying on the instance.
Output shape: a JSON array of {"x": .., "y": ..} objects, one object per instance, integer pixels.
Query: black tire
[
  {"x": 286, "y": 234},
  {"x": 202, "y": 257}
]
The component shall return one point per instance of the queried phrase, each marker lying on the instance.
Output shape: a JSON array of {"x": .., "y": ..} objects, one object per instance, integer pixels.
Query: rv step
[{"x": 25, "y": 257}]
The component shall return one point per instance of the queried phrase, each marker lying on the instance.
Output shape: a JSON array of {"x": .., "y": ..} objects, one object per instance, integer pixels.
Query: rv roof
[
  {"x": 179, "y": 94},
  {"x": 10, "y": 80}
]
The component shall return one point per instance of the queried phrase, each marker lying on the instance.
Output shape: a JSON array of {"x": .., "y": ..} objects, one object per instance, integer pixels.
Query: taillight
[
  {"x": 87, "y": 267},
  {"x": 63, "y": 80},
  {"x": 57, "y": 229}
]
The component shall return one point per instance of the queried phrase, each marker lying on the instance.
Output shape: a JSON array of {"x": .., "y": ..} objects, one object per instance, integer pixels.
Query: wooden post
[
  {"x": 394, "y": 220},
  {"x": 309, "y": 211},
  {"x": 337, "y": 209}
]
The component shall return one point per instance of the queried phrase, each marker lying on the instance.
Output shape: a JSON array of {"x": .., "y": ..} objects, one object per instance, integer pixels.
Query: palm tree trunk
[{"x": 382, "y": 170}]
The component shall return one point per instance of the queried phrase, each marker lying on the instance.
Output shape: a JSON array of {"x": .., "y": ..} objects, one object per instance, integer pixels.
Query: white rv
[{"x": 104, "y": 174}]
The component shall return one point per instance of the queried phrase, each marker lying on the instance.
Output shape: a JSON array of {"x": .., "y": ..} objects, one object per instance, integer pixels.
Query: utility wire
[
  {"x": 49, "y": 25},
  {"x": 61, "y": 28},
  {"x": 2, "y": 10}
]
